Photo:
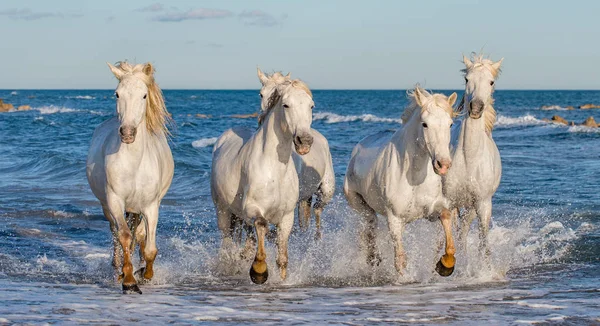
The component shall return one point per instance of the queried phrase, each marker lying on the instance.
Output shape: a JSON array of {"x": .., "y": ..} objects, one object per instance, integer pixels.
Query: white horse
[
  {"x": 476, "y": 169},
  {"x": 399, "y": 175},
  {"x": 130, "y": 167},
  {"x": 254, "y": 177},
  {"x": 315, "y": 169}
]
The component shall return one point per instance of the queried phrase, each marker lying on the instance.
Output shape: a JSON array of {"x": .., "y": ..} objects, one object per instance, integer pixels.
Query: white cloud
[
  {"x": 260, "y": 18},
  {"x": 193, "y": 14},
  {"x": 28, "y": 14}
]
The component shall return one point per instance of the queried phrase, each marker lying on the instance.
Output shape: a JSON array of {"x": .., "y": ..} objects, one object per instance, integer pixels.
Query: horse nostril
[
  {"x": 307, "y": 140},
  {"x": 122, "y": 131}
]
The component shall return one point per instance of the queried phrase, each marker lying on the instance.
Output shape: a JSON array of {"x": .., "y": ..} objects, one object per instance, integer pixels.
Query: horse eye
[
  {"x": 466, "y": 80},
  {"x": 286, "y": 106},
  {"x": 451, "y": 125},
  {"x": 145, "y": 95},
  {"x": 424, "y": 125},
  {"x": 312, "y": 107},
  {"x": 261, "y": 96},
  {"x": 116, "y": 95},
  {"x": 492, "y": 83}
]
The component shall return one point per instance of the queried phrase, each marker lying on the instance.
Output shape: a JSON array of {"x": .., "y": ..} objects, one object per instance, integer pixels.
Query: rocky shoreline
[
  {"x": 589, "y": 122},
  {"x": 7, "y": 107}
]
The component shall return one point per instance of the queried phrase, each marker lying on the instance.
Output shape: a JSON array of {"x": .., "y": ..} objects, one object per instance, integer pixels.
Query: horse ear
[
  {"x": 496, "y": 65},
  {"x": 263, "y": 79},
  {"x": 467, "y": 62},
  {"x": 289, "y": 75},
  {"x": 452, "y": 99},
  {"x": 419, "y": 96},
  {"x": 148, "y": 69},
  {"x": 116, "y": 71}
]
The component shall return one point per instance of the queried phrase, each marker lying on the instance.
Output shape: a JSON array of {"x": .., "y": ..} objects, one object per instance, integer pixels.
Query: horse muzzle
[
  {"x": 302, "y": 143},
  {"x": 441, "y": 167},
  {"x": 476, "y": 108},
  {"x": 127, "y": 134}
]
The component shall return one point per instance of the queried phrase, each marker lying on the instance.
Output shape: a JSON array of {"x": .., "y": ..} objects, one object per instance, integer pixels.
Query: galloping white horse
[
  {"x": 315, "y": 169},
  {"x": 476, "y": 169},
  {"x": 399, "y": 176},
  {"x": 130, "y": 167},
  {"x": 254, "y": 177}
]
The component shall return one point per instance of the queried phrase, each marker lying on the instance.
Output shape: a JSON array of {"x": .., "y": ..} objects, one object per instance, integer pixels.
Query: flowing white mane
[
  {"x": 480, "y": 62},
  {"x": 275, "y": 95},
  {"x": 439, "y": 100},
  {"x": 158, "y": 119}
]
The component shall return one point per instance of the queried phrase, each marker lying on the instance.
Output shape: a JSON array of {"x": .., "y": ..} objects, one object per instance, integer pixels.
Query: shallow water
[{"x": 55, "y": 246}]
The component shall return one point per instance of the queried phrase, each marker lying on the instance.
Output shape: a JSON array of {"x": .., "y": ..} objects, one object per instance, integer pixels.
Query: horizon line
[{"x": 314, "y": 89}]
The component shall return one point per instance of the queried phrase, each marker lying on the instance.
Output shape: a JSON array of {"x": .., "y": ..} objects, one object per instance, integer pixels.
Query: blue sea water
[{"x": 55, "y": 247}]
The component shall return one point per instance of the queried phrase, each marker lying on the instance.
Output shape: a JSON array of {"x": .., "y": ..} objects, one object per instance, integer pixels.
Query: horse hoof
[
  {"x": 443, "y": 270},
  {"x": 129, "y": 289},
  {"x": 258, "y": 278},
  {"x": 139, "y": 275}
]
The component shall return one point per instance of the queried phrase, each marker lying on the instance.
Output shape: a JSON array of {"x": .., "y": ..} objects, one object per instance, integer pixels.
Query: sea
[{"x": 55, "y": 244}]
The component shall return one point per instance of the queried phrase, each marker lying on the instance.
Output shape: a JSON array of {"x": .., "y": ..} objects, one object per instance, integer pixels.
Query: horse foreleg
[
  {"x": 117, "y": 211},
  {"x": 484, "y": 211},
  {"x": 250, "y": 241},
  {"x": 467, "y": 220},
  {"x": 319, "y": 206},
  {"x": 396, "y": 226},
  {"x": 304, "y": 213},
  {"x": 117, "y": 253},
  {"x": 283, "y": 234},
  {"x": 445, "y": 266},
  {"x": 368, "y": 239},
  {"x": 150, "y": 250},
  {"x": 133, "y": 221},
  {"x": 259, "y": 272}
]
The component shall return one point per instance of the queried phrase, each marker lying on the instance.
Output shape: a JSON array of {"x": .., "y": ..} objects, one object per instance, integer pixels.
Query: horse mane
[
  {"x": 276, "y": 95},
  {"x": 479, "y": 60},
  {"x": 440, "y": 100},
  {"x": 158, "y": 119},
  {"x": 489, "y": 114}
]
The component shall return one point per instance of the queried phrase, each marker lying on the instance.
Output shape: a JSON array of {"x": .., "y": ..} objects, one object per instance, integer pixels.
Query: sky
[{"x": 330, "y": 44}]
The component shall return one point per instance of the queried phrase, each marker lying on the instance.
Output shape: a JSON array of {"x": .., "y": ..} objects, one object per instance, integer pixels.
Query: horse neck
[
  {"x": 274, "y": 139},
  {"x": 412, "y": 148},
  {"x": 473, "y": 134}
]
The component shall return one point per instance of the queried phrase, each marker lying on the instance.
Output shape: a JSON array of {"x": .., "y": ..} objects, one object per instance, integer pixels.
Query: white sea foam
[
  {"x": 14, "y": 93},
  {"x": 54, "y": 109},
  {"x": 526, "y": 120},
  {"x": 583, "y": 129},
  {"x": 204, "y": 142},
  {"x": 554, "y": 108},
  {"x": 538, "y": 305},
  {"x": 330, "y": 117},
  {"x": 81, "y": 97}
]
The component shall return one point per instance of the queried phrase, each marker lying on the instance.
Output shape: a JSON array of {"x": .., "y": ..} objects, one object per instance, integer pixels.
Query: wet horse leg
[
  {"x": 150, "y": 250},
  {"x": 117, "y": 253},
  {"x": 259, "y": 272},
  {"x": 467, "y": 220},
  {"x": 319, "y": 206},
  {"x": 396, "y": 226},
  {"x": 484, "y": 211},
  {"x": 445, "y": 266},
  {"x": 250, "y": 241},
  {"x": 115, "y": 206},
  {"x": 304, "y": 213},
  {"x": 368, "y": 240},
  {"x": 283, "y": 234}
]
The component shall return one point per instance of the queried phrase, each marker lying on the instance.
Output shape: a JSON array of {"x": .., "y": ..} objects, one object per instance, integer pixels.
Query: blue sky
[{"x": 329, "y": 44}]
